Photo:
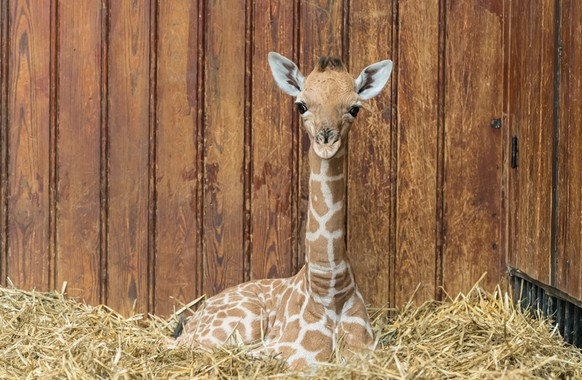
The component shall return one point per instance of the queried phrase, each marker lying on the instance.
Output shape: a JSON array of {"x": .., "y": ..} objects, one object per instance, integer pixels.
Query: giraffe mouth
[{"x": 326, "y": 151}]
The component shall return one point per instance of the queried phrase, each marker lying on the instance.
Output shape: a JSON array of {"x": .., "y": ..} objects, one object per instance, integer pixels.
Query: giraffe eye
[
  {"x": 354, "y": 111},
  {"x": 301, "y": 107}
]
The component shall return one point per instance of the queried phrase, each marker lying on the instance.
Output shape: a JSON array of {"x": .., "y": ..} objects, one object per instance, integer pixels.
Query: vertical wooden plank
[
  {"x": 224, "y": 145},
  {"x": 152, "y": 159},
  {"x": 370, "y": 187},
  {"x": 128, "y": 156},
  {"x": 177, "y": 264},
  {"x": 4, "y": 22},
  {"x": 248, "y": 141},
  {"x": 78, "y": 258},
  {"x": 474, "y": 78},
  {"x": 506, "y": 241},
  {"x": 28, "y": 141},
  {"x": 272, "y": 150},
  {"x": 416, "y": 212},
  {"x": 569, "y": 243},
  {"x": 321, "y": 26},
  {"x": 531, "y": 120}
]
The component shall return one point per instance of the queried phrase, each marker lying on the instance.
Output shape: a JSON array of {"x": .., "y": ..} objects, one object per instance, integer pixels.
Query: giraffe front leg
[{"x": 354, "y": 329}]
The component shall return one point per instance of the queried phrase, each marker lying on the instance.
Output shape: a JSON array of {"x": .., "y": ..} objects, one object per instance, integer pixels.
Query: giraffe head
[{"x": 329, "y": 98}]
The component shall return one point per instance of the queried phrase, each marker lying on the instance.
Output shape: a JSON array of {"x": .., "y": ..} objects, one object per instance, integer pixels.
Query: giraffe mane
[{"x": 330, "y": 63}]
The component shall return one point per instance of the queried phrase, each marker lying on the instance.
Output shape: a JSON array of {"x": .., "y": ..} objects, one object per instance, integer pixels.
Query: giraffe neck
[{"x": 328, "y": 271}]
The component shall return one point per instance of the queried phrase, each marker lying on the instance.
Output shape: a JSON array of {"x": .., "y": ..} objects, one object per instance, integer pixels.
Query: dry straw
[{"x": 476, "y": 336}]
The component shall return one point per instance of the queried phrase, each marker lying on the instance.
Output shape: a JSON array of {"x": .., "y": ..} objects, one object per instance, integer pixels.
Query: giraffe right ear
[
  {"x": 373, "y": 79},
  {"x": 286, "y": 74}
]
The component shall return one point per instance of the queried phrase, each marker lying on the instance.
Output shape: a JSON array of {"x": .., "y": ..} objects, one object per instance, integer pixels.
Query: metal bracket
[{"x": 514, "y": 151}]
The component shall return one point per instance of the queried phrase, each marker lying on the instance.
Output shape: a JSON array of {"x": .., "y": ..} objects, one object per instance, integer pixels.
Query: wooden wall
[
  {"x": 146, "y": 155},
  {"x": 544, "y": 192}
]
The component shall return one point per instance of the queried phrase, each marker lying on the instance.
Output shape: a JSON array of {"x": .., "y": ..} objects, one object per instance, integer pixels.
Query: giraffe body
[{"x": 303, "y": 318}]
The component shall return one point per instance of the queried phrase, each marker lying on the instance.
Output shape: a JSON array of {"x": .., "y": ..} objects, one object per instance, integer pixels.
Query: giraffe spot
[
  {"x": 235, "y": 298},
  {"x": 298, "y": 363},
  {"x": 335, "y": 167},
  {"x": 242, "y": 330},
  {"x": 274, "y": 332},
  {"x": 238, "y": 313},
  {"x": 316, "y": 191},
  {"x": 220, "y": 334},
  {"x": 316, "y": 341},
  {"x": 339, "y": 247},
  {"x": 256, "y": 327},
  {"x": 284, "y": 350},
  {"x": 291, "y": 331},
  {"x": 312, "y": 223},
  {"x": 204, "y": 332},
  {"x": 337, "y": 190},
  {"x": 294, "y": 306},
  {"x": 319, "y": 245},
  {"x": 313, "y": 313},
  {"x": 336, "y": 222}
]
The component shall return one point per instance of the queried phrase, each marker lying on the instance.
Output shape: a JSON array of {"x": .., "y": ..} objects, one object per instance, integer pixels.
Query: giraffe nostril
[{"x": 326, "y": 136}]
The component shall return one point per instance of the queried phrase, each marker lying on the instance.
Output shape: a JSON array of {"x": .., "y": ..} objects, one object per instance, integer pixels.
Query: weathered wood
[
  {"x": 178, "y": 265},
  {"x": 369, "y": 184},
  {"x": 531, "y": 120},
  {"x": 175, "y": 150},
  {"x": 272, "y": 146},
  {"x": 321, "y": 27},
  {"x": 224, "y": 145},
  {"x": 416, "y": 213},
  {"x": 4, "y": 52},
  {"x": 152, "y": 169},
  {"x": 474, "y": 79},
  {"x": 128, "y": 156},
  {"x": 78, "y": 226},
  {"x": 29, "y": 144},
  {"x": 569, "y": 207}
]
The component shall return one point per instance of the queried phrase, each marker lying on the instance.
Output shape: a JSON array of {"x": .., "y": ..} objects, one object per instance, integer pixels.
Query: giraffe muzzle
[{"x": 327, "y": 150}]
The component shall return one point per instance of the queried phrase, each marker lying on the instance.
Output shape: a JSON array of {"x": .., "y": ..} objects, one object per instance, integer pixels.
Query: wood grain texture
[
  {"x": 224, "y": 145},
  {"x": 29, "y": 144},
  {"x": 144, "y": 145},
  {"x": 369, "y": 184},
  {"x": 128, "y": 156},
  {"x": 4, "y": 52},
  {"x": 78, "y": 258},
  {"x": 321, "y": 26},
  {"x": 474, "y": 79},
  {"x": 178, "y": 269},
  {"x": 531, "y": 120},
  {"x": 569, "y": 228},
  {"x": 418, "y": 75},
  {"x": 272, "y": 149}
]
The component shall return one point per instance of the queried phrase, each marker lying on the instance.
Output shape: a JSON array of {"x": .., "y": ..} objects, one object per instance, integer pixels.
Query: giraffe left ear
[
  {"x": 286, "y": 74},
  {"x": 373, "y": 79}
]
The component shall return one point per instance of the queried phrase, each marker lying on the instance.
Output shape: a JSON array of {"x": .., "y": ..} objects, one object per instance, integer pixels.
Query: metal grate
[{"x": 564, "y": 310}]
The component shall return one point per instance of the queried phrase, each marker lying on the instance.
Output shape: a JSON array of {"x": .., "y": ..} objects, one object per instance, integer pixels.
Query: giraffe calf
[{"x": 303, "y": 318}]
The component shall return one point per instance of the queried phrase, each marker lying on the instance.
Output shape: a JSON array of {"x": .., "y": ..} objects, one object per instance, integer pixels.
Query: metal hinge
[{"x": 514, "y": 151}]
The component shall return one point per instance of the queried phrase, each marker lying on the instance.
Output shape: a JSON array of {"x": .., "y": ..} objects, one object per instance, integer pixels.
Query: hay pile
[{"x": 480, "y": 335}]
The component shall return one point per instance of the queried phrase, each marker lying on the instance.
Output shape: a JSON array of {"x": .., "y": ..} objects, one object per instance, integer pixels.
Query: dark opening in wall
[{"x": 563, "y": 309}]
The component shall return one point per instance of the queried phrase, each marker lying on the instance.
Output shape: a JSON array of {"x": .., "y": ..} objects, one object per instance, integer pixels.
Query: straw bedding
[{"x": 478, "y": 335}]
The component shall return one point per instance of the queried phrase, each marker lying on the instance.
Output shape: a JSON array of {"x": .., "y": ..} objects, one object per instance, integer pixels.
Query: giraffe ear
[
  {"x": 373, "y": 79},
  {"x": 286, "y": 74}
]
